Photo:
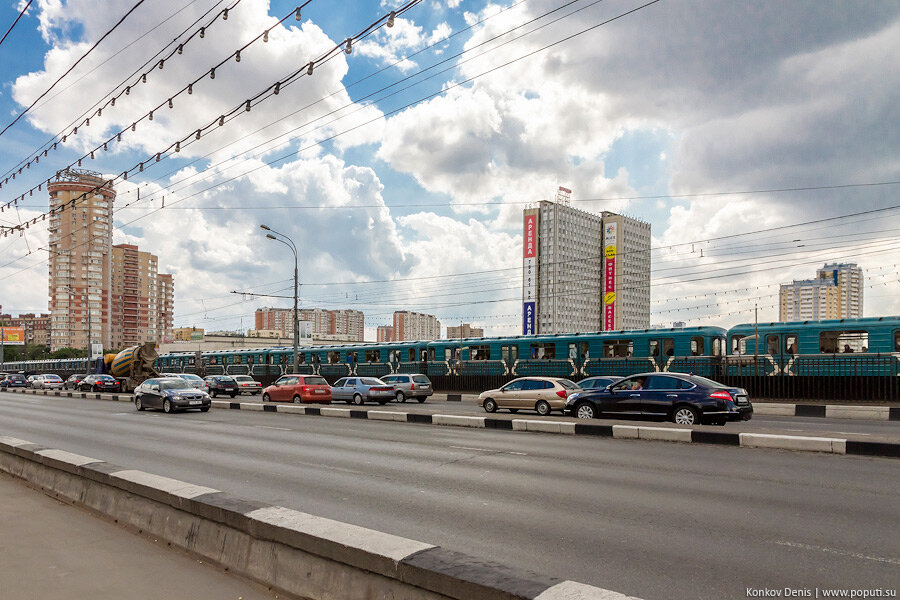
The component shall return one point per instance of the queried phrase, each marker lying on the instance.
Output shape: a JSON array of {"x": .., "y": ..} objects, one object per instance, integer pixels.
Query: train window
[
  {"x": 411, "y": 354},
  {"x": 238, "y": 359},
  {"x": 897, "y": 341},
  {"x": 833, "y": 342},
  {"x": 333, "y": 357},
  {"x": 480, "y": 352},
  {"x": 618, "y": 348},
  {"x": 654, "y": 348},
  {"x": 543, "y": 351},
  {"x": 669, "y": 347},
  {"x": 372, "y": 356},
  {"x": 302, "y": 357},
  {"x": 214, "y": 360},
  {"x": 790, "y": 344},
  {"x": 717, "y": 344},
  {"x": 697, "y": 348},
  {"x": 509, "y": 353},
  {"x": 771, "y": 344},
  {"x": 739, "y": 344}
]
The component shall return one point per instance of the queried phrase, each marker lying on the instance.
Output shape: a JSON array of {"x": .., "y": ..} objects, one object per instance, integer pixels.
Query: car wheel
[
  {"x": 266, "y": 398},
  {"x": 421, "y": 399},
  {"x": 720, "y": 422},
  {"x": 490, "y": 405},
  {"x": 585, "y": 411},
  {"x": 401, "y": 397},
  {"x": 685, "y": 415},
  {"x": 297, "y": 399},
  {"x": 138, "y": 404},
  {"x": 213, "y": 393},
  {"x": 232, "y": 395},
  {"x": 513, "y": 410},
  {"x": 542, "y": 408},
  {"x": 204, "y": 409},
  {"x": 357, "y": 399},
  {"x": 94, "y": 388},
  {"x": 167, "y": 406}
]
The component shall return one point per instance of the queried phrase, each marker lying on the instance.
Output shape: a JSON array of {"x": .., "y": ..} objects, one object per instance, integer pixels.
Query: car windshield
[
  {"x": 706, "y": 382},
  {"x": 105, "y": 378},
  {"x": 315, "y": 381},
  {"x": 421, "y": 379},
  {"x": 189, "y": 377},
  {"x": 171, "y": 384},
  {"x": 371, "y": 381},
  {"x": 53, "y": 378},
  {"x": 567, "y": 384},
  {"x": 246, "y": 378}
]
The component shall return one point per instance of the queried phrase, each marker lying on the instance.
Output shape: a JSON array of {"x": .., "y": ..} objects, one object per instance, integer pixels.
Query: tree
[{"x": 67, "y": 353}]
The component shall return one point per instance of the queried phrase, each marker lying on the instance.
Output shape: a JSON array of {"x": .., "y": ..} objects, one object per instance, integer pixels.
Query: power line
[
  {"x": 21, "y": 13},
  {"x": 70, "y": 69}
]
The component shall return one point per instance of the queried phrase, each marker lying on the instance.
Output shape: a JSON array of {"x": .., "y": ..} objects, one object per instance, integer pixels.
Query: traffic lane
[
  {"x": 652, "y": 520},
  {"x": 54, "y": 550}
]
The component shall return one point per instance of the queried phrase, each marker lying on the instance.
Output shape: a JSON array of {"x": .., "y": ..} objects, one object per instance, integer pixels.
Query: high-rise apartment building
[
  {"x": 80, "y": 238},
  {"x": 584, "y": 272},
  {"x": 835, "y": 293},
  {"x": 385, "y": 333},
  {"x": 346, "y": 325},
  {"x": 464, "y": 331},
  {"x": 165, "y": 304},
  {"x": 413, "y": 326},
  {"x": 141, "y": 299}
]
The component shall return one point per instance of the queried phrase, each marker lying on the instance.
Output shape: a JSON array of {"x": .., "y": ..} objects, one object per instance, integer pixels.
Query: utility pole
[
  {"x": 756, "y": 341},
  {"x": 2, "y": 340}
]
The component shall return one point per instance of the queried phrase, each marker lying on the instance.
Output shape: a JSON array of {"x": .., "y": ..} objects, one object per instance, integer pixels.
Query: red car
[{"x": 299, "y": 389}]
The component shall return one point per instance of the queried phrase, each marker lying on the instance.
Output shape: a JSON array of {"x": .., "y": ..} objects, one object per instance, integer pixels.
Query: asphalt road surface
[{"x": 651, "y": 519}]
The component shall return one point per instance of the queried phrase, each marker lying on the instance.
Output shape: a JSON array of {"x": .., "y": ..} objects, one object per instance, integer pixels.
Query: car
[
  {"x": 678, "y": 397},
  {"x": 171, "y": 394},
  {"x": 47, "y": 382},
  {"x": 72, "y": 382},
  {"x": 410, "y": 385},
  {"x": 359, "y": 390},
  {"x": 99, "y": 383},
  {"x": 540, "y": 394},
  {"x": 247, "y": 385},
  {"x": 13, "y": 381},
  {"x": 602, "y": 381},
  {"x": 221, "y": 384},
  {"x": 194, "y": 380},
  {"x": 298, "y": 389}
]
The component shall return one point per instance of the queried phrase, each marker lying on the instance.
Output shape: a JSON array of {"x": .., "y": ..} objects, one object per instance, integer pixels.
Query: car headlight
[{"x": 571, "y": 399}]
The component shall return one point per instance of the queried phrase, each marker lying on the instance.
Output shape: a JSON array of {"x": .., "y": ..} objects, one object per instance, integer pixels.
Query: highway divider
[
  {"x": 632, "y": 432},
  {"x": 290, "y": 551}
]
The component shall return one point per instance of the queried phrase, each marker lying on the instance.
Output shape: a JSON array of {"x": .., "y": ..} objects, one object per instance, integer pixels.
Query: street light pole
[{"x": 290, "y": 244}]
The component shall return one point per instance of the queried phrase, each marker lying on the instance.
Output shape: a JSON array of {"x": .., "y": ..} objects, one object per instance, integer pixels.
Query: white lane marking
[
  {"x": 893, "y": 561},
  {"x": 277, "y": 428},
  {"x": 489, "y": 450},
  {"x": 851, "y": 433}
]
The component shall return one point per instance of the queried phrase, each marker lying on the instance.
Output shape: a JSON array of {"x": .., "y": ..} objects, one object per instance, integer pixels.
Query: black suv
[{"x": 221, "y": 384}]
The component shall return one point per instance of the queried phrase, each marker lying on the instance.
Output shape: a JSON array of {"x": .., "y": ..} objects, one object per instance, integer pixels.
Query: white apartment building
[
  {"x": 835, "y": 293},
  {"x": 584, "y": 272}
]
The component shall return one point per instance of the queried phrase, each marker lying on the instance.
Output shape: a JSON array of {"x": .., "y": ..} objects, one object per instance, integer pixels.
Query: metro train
[{"x": 853, "y": 359}]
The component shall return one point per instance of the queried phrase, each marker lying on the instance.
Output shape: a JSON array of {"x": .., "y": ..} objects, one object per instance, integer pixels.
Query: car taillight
[
  {"x": 561, "y": 393},
  {"x": 305, "y": 388},
  {"x": 412, "y": 387},
  {"x": 721, "y": 395}
]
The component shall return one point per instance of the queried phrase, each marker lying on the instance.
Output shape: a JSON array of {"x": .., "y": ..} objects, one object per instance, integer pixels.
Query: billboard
[
  {"x": 609, "y": 277},
  {"x": 529, "y": 272},
  {"x": 13, "y": 336}
]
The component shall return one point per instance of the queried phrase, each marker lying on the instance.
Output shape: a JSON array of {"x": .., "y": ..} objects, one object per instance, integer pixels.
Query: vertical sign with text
[
  {"x": 609, "y": 277},
  {"x": 529, "y": 277}
]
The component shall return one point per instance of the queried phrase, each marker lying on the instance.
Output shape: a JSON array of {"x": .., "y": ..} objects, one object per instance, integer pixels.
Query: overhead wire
[{"x": 14, "y": 23}]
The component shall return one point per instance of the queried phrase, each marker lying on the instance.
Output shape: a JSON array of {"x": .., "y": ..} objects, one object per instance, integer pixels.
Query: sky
[{"x": 760, "y": 139}]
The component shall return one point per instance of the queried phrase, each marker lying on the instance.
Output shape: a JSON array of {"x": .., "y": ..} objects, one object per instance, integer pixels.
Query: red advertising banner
[
  {"x": 609, "y": 277},
  {"x": 530, "y": 236}
]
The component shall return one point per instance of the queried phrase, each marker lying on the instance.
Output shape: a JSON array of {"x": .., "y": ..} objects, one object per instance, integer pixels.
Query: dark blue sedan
[{"x": 678, "y": 397}]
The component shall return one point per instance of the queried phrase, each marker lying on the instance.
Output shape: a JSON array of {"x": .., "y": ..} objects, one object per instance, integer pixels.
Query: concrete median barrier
[{"x": 290, "y": 551}]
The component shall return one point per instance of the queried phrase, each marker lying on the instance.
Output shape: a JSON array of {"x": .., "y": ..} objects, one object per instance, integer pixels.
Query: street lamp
[{"x": 290, "y": 244}]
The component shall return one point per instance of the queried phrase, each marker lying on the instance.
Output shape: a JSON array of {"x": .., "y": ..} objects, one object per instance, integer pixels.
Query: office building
[
  {"x": 583, "y": 271},
  {"x": 835, "y": 293},
  {"x": 464, "y": 331},
  {"x": 413, "y": 326},
  {"x": 80, "y": 240}
]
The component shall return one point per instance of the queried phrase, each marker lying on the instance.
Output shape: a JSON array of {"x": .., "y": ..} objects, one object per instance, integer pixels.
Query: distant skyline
[{"x": 721, "y": 124}]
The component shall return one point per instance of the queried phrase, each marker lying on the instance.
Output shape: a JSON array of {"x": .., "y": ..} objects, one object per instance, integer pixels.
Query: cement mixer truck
[{"x": 132, "y": 366}]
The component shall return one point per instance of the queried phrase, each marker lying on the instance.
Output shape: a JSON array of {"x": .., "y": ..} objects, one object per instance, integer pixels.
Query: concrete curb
[
  {"x": 292, "y": 552},
  {"x": 631, "y": 432}
]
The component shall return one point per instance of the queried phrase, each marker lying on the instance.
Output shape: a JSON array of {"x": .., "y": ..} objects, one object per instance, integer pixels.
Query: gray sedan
[{"x": 362, "y": 389}]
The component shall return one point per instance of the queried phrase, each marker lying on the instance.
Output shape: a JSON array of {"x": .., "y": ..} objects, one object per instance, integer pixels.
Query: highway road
[{"x": 651, "y": 519}]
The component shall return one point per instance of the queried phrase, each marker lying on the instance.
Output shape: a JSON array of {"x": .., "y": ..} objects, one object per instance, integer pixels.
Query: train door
[
  {"x": 661, "y": 350},
  {"x": 509, "y": 355}
]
